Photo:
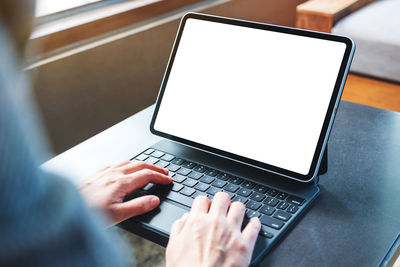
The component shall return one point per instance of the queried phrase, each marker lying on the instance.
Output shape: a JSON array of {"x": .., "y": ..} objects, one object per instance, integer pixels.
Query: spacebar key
[{"x": 187, "y": 201}]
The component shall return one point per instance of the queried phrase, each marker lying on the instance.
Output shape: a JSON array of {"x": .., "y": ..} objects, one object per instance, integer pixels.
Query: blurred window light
[{"x": 49, "y": 7}]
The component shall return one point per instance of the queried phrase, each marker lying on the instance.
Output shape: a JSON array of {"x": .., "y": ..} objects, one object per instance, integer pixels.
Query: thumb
[{"x": 136, "y": 206}]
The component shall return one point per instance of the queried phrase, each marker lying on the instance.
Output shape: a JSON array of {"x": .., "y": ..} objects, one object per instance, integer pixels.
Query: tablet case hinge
[{"x": 323, "y": 168}]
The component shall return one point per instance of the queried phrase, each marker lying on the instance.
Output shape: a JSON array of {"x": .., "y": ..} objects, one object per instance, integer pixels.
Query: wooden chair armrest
[{"x": 321, "y": 15}]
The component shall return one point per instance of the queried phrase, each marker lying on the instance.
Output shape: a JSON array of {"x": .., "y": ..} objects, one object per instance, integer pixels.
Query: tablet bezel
[{"x": 329, "y": 117}]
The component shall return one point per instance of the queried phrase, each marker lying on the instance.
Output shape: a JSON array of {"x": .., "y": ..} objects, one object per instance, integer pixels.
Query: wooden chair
[{"x": 321, "y": 15}]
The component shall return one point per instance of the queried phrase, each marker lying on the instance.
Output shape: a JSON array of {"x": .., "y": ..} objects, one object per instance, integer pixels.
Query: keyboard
[{"x": 273, "y": 207}]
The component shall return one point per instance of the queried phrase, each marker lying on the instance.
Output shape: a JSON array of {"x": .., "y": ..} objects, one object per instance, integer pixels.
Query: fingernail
[
  {"x": 154, "y": 201},
  {"x": 166, "y": 171}
]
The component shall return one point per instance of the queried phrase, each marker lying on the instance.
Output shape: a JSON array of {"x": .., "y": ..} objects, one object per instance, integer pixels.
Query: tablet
[
  {"x": 392, "y": 257},
  {"x": 260, "y": 94}
]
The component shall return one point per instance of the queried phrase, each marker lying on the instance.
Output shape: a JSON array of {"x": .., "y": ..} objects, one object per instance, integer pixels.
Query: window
[
  {"x": 48, "y": 7},
  {"x": 64, "y": 22}
]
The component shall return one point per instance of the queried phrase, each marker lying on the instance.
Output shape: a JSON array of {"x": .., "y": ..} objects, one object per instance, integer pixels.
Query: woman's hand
[
  {"x": 211, "y": 235},
  {"x": 106, "y": 189}
]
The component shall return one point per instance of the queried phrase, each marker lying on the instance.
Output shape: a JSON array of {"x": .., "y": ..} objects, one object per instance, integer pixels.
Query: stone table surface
[{"x": 352, "y": 222}]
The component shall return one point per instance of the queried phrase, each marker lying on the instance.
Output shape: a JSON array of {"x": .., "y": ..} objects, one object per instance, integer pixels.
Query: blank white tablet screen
[{"x": 255, "y": 93}]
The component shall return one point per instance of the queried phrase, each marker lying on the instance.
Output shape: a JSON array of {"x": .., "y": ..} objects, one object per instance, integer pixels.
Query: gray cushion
[{"x": 376, "y": 32}]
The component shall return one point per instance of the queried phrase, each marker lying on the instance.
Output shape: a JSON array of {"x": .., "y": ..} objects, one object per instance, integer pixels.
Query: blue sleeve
[{"x": 43, "y": 219}]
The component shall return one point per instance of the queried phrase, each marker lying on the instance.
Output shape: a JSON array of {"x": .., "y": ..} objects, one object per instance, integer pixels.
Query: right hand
[{"x": 211, "y": 235}]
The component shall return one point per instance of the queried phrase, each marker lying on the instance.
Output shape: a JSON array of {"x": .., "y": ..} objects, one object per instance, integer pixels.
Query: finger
[
  {"x": 236, "y": 214},
  {"x": 250, "y": 232},
  {"x": 105, "y": 168},
  {"x": 123, "y": 163},
  {"x": 141, "y": 178},
  {"x": 220, "y": 204},
  {"x": 178, "y": 225},
  {"x": 140, "y": 165},
  {"x": 201, "y": 204},
  {"x": 134, "y": 207}
]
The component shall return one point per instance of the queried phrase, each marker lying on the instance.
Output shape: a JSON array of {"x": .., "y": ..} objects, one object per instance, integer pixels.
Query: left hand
[{"x": 106, "y": 189}]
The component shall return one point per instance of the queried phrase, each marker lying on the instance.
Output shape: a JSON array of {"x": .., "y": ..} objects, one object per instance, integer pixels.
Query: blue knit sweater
[{"x": 43, "y": 220}]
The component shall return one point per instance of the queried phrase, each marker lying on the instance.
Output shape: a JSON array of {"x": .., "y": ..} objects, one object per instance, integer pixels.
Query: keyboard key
[
  {"x": 162, "y": 164},
  {"x": 176, "y": 187},
  {"x": 202, "y": 187},
  {"x": 142, "y": 157},
  {"x": 157, "y": 189},
  {"x": 171, "y": 174},
  {"x": 184, "y": 171},
  {"x": 200, "y": 168},
  {"x": 187, "y": 191},
  {"x": 151, "y": 160},
  {"x": 261, "y": 189},
  {"x": 211, "y": 172},
  {"x": 292, "y": 209},
  {"x": 157, "y": 154},
  {"x": 195, "y": 175},
  {"x": 267, "y": 210},
  {"x": 219, "y": 183},
  {"x": 252, "y": 213},
  {"x": 213, "y": 190},
  {"x": 271, "y": 222},
  {"x": 173, "y": 167},
  {"x": 282, "y": 195},
  {"x": 198, "y": 193},
  {"x": 223, "y": 176},
  {"x": 251, "y": 204},
  {"x": 273, "y": 192},
  {"x": 240, "y": 199},
  {"x": 188, "y": 164},
  {"x": 231, "y": 188},
  {"x": 149, "y": 151},
  {"x": 282, "y": 205},
  {"x": 235, "y": 180},
  {"x": 177, "y": 161},
  {"x": 295, "y": 200},
  {"x": 265, "y": 233},
  {"x": 190, "y": 182},
  {"x": 187, "y": 201},
  {"x": 179, "y": 178},
  {"x": 148, "y": 186},
  {"x": 207, "y": 179},
  {"x": 281, "y": 215},
  {"x": 248, "y": 184},
  {"x": 257, "y": 197},
  {"x": 167, "y": 157},
  {"x": 244, "y": 192},
  {"x": 270, "y": 201}
]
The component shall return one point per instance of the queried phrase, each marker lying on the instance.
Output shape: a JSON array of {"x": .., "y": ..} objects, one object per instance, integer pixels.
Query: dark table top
[{"x": 352, "y": 222}]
